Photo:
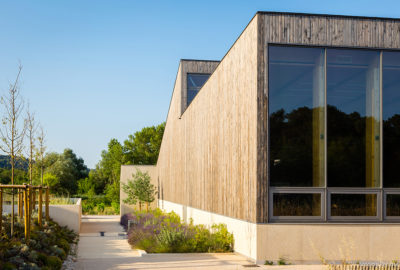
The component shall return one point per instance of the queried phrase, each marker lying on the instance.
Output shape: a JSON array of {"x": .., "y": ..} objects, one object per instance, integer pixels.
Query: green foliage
[
  {"x": 67, "y": 168},
  {"x": 156, "y": 231},
  {"x": 143, "y": 147},
  {"x": 51, "y": 180},
  {"x": 20, "y": 176},
  {"x": 46, "y": 249},
  {"x": 282, "y": 261},
  {"x": 139, "y": 189},
  {"x": 140, "y": 148},
  {"x": 269, "y": 262},
  {"x": 98, "y": 205},
  {"x": 54, "y": 262}
]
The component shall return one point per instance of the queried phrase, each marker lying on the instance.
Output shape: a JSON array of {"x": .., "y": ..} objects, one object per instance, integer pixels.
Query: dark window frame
[
  {"x": 327, "y": 191},
  {"x": 199, "y": 88}
]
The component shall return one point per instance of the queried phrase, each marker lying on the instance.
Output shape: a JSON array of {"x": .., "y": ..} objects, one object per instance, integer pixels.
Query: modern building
[{"x": 292, "y": 139}]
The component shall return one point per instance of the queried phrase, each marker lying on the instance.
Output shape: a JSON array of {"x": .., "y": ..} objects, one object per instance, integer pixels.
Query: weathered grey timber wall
[
  {"x": 208, "y": 157},
  {"x": 311, "y": 30}
]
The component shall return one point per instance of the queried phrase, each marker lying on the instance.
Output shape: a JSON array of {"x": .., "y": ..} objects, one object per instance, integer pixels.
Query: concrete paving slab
[{"x": 112, "y": 251}]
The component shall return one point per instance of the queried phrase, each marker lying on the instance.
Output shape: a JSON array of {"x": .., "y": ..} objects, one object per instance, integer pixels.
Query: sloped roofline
[{"x": 325, "y": 15}]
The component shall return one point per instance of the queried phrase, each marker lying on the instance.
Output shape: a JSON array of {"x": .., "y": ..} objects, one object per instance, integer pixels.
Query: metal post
[
  {"x": 27, "y": 219},
  {"x": 40, "y": 207},
  {"x": 1, "y": 207},
  {"x": 47, "y": 204}
]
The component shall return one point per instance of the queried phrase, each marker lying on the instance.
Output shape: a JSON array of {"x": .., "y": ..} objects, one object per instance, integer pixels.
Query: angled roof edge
[
  {"x": 325, "y": 15},
  {"x": 198, "y": 60}
]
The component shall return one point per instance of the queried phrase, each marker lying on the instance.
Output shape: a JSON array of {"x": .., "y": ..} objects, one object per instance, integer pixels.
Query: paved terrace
[{"x": 112, "y": 251}]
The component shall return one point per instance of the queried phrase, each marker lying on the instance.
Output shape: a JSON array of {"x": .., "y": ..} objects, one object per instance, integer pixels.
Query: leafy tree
[
  {"x": 111, "y": 161},
  {"x": 51, "y": 181},
  {"x": 140, "y": 189},
  {"x": 68, "y": 169},
  {"x": 144, "y": 146}
]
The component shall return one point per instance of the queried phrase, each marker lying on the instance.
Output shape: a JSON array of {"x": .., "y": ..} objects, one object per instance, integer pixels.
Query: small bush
[{"x": 53, "y": 262}]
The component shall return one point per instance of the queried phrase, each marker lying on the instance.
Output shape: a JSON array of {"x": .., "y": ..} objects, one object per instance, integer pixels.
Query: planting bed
[{"x": 157, "y": 232}]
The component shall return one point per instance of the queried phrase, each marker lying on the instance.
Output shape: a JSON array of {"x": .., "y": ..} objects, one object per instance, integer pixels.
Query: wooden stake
[
  {"x": 27, "y": 219},
  {"x": 1, "y": 207},
  {"x": 47, "y": 204},
  {"x": 40, "y": 208}
]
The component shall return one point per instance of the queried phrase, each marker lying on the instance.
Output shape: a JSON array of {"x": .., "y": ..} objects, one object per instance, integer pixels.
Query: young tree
[
  {"x": 31, "y": 131},
  {"x": 140, "y": 190},
  {"x": 40, "y": 151},
  {"x": 12, "y": 133}
]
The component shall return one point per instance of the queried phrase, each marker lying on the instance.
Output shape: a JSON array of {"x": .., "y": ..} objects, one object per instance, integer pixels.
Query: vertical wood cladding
[
  {"x": 208, "y": 156},
  {"x": 214, "y": 152},
  {"x": 309, "y": 30}
]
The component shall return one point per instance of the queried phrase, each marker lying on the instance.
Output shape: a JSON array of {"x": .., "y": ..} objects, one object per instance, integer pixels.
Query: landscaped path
[{"x": 112, "y": 251}]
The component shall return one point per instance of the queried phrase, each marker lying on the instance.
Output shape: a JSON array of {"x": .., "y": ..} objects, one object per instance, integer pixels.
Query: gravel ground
[{"x": 70, "y": 261}]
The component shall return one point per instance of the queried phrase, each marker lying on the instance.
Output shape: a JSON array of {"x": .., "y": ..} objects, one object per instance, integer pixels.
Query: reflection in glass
[
  {"x": 353, "y": 205},
  {"x": 291, "y": 204},
  {"x": 393, "y": 205},
  {"x": 296, "y": 111},
  {"x": 391, "y": 118},
  {"x": 353, "y": 104},
  {"x": 194, "y": 83}
]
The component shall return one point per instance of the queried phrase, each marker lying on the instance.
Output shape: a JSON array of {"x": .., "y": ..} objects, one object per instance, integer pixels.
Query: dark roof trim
[
  {"x": 325, "y": 15},
  {"x": 198, "y": 60}
]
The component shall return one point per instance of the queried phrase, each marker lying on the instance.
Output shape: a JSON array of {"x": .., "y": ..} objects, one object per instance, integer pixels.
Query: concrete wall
[
  {"x": 302, "y": 243},
  {"x": 65, "y": 215},
  {"x": 126, "y": 174},
  {"x": 334, "y": 242},
  {"x": 245, "y": 233}
]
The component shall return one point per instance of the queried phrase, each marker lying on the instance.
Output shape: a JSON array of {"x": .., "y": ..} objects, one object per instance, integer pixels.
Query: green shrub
[
  {"x": 100, "y": 207},
  {"x": 64, "y": 245},
  {"x": 8, "y": 266},
  {"x": 54, "y": 263},
  {"x": 156, "y": 231}
]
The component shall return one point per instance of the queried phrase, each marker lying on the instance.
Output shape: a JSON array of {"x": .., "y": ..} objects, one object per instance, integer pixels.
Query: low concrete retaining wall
[
  {"x": 245, "y": 233},
  {"x": 64, "y": 214},
  {"x": 303, "y": 243}
]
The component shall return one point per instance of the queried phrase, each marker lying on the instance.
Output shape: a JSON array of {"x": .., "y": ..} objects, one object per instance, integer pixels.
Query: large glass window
[
  {"x": 353, "y": 90},
  {"x": 334, "y": 134},
  {"x": 294, "y": 204},
  {"x": 297, "y": 102},
  {"x": 195, "y": 82},
  {"x": 391, "y": 119},
  {"x": 353, "y": 205}
]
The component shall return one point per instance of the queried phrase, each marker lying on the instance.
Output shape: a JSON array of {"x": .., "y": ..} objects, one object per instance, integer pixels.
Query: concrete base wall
[
  {"x": 244, "y": 232},
  {"x": 65, "y": 215},
  {"x": 302, "y": 243},
  {"x": 309, "y": 243}
]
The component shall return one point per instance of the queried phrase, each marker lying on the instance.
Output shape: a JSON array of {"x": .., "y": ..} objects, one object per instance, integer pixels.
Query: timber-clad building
[{"x": 292, "y": 139}]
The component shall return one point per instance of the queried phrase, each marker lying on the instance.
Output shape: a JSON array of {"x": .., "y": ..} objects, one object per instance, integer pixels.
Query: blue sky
[{"x": 96, "y": 70}]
